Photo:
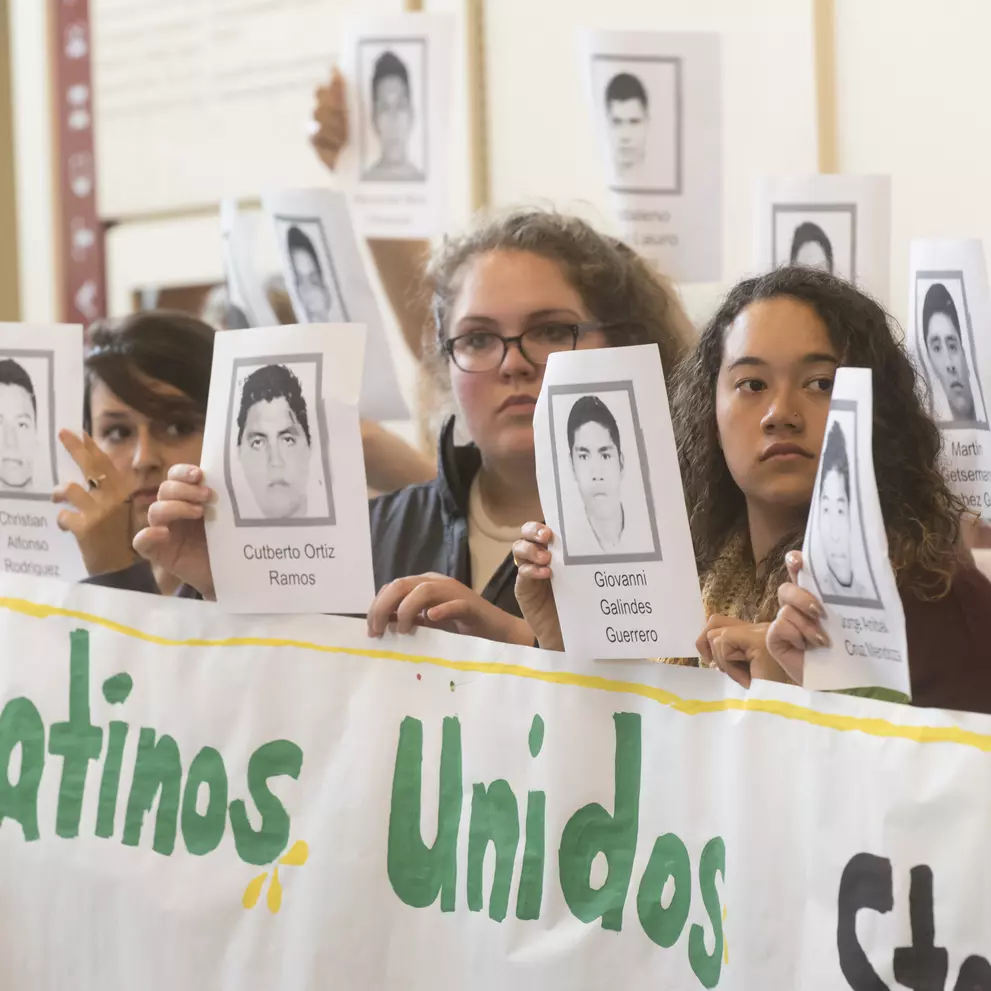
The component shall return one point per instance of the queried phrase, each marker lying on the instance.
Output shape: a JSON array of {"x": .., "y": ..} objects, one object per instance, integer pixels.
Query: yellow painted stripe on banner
[{"x": 690, "y": 707}]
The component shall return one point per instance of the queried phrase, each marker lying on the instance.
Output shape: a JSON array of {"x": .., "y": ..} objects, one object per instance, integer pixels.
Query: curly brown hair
[
  {"x": 922, "y": 517},
  {"x": 616, "y": 285}
]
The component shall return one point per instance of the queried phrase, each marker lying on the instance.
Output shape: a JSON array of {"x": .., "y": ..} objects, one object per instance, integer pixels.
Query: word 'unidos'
[{"x": 419, "y": 874}]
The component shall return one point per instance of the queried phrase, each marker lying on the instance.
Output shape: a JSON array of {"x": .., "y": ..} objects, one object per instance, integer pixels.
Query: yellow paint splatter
[
  {"x": 298, "y": 854},
  {"x": 295, "y": 856},
  {"x": 253, "y": 891},
  {"x": 275, "y": 893}
]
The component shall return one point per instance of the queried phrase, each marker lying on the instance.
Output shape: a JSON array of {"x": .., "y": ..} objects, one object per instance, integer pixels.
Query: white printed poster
[
  {"x": 949, "y": 335},
  {"x": 656, "y": 103},
  {"x": 396, "y": 167},
  {"x": 622, "y": 559},
  {"x": 846, "y": 554},
  {"x": 194, "y": 801},
  {"x": 327, "y": 275},
  {"x": 289, "y": 531},
  {"x": 838, "y": 223},
  {"x": 247, "y": 302},
  {"x": 41, "y": 393}
]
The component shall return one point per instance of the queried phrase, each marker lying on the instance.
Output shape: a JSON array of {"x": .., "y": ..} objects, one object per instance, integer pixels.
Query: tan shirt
[{"x": 488, "y": 543}]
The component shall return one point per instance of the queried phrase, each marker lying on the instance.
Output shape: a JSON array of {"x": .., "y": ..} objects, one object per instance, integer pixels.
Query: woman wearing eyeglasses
[{"x": 505, "y": 297}]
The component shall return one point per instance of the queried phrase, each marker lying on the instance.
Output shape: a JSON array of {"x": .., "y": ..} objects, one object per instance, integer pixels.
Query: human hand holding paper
[
  {"x": 534, "y": 591},
  {"x": 100, "y": 518},
  {"x": 329, "y": 124},
  {"x": 175, "y": 538},
  {"x": 739, "y": 650},
  {"x": 798, "y": 625},
  {"x": 442, "y": 603}
]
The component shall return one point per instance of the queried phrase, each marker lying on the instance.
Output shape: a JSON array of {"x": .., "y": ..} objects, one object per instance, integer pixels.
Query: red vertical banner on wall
[{"x": 80, "y": 247}]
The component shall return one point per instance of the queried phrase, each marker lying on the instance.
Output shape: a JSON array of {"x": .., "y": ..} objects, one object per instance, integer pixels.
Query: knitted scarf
[{"x": 736, "y": 587}]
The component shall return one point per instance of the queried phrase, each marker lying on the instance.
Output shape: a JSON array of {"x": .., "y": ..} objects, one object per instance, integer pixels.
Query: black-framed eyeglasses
[{"x": 485, "y": 350}]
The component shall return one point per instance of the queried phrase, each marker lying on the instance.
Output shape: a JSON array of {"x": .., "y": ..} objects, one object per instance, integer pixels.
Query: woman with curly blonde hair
[
  {"x": 750, "y": 404},
  {"x": 505, "y": 297}
]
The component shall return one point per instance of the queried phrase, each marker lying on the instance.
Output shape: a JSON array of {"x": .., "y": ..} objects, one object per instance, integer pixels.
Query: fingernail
[
  {"x": 791, "y": 558},
  {"x": 190, "y": 473},
  {"x": 822, "y": 640},
  {"x": 814, "y": 611}
]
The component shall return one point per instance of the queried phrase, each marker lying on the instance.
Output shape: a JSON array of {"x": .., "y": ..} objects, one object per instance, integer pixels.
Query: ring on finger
[{"x": 94, "y": 482}]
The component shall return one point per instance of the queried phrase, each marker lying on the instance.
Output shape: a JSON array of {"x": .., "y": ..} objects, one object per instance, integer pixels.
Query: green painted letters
[
  {"x": 21, "y": 725},
  {"x": 707, "y": 968},
  {"x": 495, "y": 819},
  {"x": 157, "y": 769},
  {"x": 592, "y": 830},
  {"x": 203, "y": 833},
  {"x": 77, "y": 741},
  {"x": 262, "y": 846},
  {"x": 419, "y": 873},
  {"x": 669, "y": 859}
]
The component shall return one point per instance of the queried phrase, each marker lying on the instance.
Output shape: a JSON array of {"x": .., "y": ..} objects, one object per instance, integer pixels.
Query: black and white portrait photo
[
  {"x": 277, "y": 462},
  {"x": 310, "y": 274},
  {"x": 945, "y": 345},
  {"x": 27, "y": 442},
  {"x": 819, "y": 236},
  {"x": 840, "y": 561},
  {"x": 640, "y": 98},
  {"x": 392, "y": 99},
  {"x": 601, "y": 475}
]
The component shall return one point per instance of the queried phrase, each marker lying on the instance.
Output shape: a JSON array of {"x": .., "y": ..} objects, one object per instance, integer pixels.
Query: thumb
[{"x": 794, "y": 564}]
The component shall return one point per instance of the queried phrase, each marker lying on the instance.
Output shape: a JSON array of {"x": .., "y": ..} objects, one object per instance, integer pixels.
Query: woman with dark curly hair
[{"x": 750, "y": 404}]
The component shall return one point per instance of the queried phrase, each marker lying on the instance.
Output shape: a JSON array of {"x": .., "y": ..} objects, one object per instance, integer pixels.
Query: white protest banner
[
  {"x": 327, "y": 275},
  {"x": 656, "y": 101},
  {"x": 607, "y": 469},
  {"x": 949, "y": 335},
  {"x": 41, "y": 393},
  {"x": 840, "y": 223},
  {"x": 247, "y": 303},
  {"x": 203, "y": 801},
  {"x": 400, "y": 72},
  {"x": 289, "y": 531},
  {"x": 846, "y": 554}
]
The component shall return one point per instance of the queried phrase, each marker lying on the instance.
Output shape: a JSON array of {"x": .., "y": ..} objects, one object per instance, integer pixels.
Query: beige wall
[
  {"x": 910, "y": 101},
  {"x": 913, "y": 84},
  {"x": 9, "y": 288}
]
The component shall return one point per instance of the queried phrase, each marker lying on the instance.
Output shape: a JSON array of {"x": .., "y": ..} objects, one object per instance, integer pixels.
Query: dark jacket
[
  {"x": 949, "y": 654},
  {"x": 137, "y": 578},
  {"x": 424, "y": 527}
]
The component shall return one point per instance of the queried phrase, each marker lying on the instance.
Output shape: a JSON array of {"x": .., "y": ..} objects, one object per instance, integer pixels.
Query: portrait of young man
[
  {"x": 18, "y": 428},
  {"x": 811, "y": 248},
  {"x": 628, "y": 117},
  {"x": 597, "y": 462},
  {"x": 308, "y": 276},
  {"x": 392, "y": 116},
  {"x": 946, "y": 347},
  {"x": 274, "y": 444},
  {"x": 837, "y": 575}
]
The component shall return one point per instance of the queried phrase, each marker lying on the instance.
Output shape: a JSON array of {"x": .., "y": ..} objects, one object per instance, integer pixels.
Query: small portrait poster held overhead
[
  {"x": 282, "y": 449},
  {"x": 846, "y": 554},
  {"x": 41, "y": 392},
  {"x": 326, "y": 272},
  {"x": 624, "y": 568},
  {"x": 949, "y": 335},
  {"x": 247, "y": 303},
  {"x": 838, "y": 223},
  {"x": 400, "y": 72},
  {"x": 656, "y": 104}
]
